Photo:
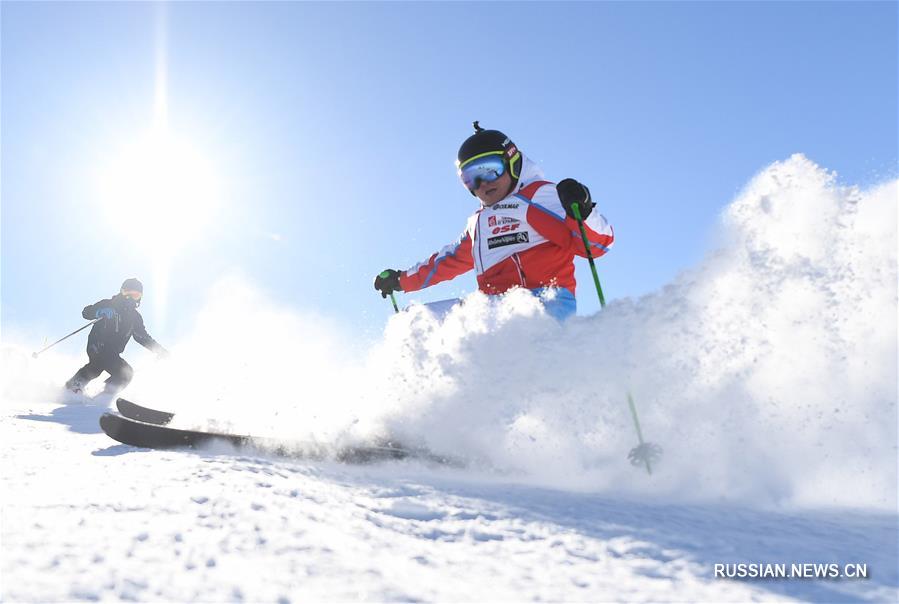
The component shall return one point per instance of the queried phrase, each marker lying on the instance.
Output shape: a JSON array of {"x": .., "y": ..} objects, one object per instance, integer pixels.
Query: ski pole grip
[
  {"x": 384, "y": 275},
  {"x": 576, "y": 210}
]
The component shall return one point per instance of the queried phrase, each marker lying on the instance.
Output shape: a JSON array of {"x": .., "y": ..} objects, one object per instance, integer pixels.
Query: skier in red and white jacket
[{"x": 523, "y": 235}]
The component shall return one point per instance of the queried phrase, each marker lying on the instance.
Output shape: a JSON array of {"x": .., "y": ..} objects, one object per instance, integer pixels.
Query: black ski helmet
[
  {"x": 132, "y": 284},
  {"x": 491, "y": 141}
]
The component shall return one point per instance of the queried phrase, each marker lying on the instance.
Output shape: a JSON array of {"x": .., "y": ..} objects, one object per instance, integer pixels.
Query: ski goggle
[
  {"x": 486, "y": 167},
  {"x": 134, "y": 295}
]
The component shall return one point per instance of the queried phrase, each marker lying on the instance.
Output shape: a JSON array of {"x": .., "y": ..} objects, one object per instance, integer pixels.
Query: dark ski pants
[{"x": 120, "y": 372}]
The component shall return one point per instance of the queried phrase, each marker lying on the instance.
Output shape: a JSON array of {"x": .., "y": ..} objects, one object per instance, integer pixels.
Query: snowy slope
[
  {"x": 86, "y": 518},
  {"x": 768, "y": 373}
]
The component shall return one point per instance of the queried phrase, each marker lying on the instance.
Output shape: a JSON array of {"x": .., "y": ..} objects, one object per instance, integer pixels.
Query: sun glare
[
  {"x": 157, "y": 191},
  {"x": 161, "y": 186}
]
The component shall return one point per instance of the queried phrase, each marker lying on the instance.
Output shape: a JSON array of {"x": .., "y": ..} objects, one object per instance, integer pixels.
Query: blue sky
[{"x": 330, "y": 130}]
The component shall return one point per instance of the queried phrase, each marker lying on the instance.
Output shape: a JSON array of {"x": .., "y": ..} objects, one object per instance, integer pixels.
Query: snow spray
[{"x": 768, "y": 372}]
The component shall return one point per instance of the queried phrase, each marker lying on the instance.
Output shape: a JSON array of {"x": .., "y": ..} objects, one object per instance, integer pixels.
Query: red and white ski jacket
[{"x": 525, "y": 240}]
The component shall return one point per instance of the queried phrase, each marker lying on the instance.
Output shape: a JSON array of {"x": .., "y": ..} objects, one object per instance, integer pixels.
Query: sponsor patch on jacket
[
  {"x": 498, "y": 220},
  {"x": 510, "y": 239},
  {"x": 505, "y": 206}
]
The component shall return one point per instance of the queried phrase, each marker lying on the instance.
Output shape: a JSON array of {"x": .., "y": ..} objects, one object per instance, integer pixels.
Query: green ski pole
[
  {"x": 644, "y": 452},
  {"x": 396, "y": 308},
  {"x": 580, "y": 223},
  {"x": 630, "y": 402}
]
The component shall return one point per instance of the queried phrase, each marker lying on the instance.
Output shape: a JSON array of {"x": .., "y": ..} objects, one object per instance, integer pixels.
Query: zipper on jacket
[
  {"x": 476, "y": 246},
  {"x": 521, "y": 275}
]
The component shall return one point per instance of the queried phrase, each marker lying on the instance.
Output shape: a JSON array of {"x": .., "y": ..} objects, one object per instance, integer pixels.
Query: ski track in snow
[{"x": 85, "y": 518}]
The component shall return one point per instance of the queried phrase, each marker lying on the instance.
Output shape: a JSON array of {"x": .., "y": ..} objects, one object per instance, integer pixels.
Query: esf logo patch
[
  {"x": 506, "y": 228},
  {"x": 510, "y": 239},
  {"x": 502, "y": 224}
]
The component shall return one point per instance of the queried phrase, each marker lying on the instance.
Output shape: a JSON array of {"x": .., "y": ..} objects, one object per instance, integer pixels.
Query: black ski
[
  {"x": 143, "y": 414},
  {"x": 153, "y": 436}
]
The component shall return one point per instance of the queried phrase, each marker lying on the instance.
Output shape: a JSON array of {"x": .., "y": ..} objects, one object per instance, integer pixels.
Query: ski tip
[
  {"x": 143, "y": 414},
  {"x": 109, "y": 423}
]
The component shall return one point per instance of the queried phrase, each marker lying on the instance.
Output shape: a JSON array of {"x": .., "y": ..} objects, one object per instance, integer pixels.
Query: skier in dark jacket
[{"x": 119, "y": 321}]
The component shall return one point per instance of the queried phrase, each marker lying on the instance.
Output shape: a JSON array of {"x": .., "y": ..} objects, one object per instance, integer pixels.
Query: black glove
[
  {"x": 572, "y": 193},
  {"x": 387, "y": 282}
]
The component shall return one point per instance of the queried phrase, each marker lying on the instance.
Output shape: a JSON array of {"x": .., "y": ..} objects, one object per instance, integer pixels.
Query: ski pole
[
  {"x": 630, "y": 401},
  {"x": 385, "y": 275},
  {"x": 35, "y": 354},
  {"x": 580, "y": 223},
  {"x": 644, "y": 452}
]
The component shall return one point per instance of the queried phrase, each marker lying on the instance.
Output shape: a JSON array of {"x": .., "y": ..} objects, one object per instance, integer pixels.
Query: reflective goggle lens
[
  {"x": 134, "y": 295},
  {"x": 481, "y": 170}
]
